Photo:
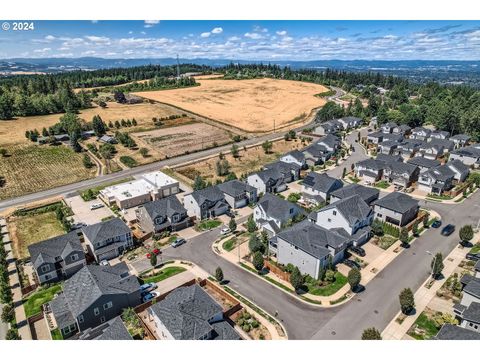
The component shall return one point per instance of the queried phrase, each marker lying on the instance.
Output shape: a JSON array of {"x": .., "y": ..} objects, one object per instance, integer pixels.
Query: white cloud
[
  {"x": 130, "y": 32},
  {"x": 205, "y": 34},
  {"x": 260, "y": 29},
  {"x": 253, "y": 36},
  {"x": 94, "y": 21},
  {"x": 50, "y": 37},
  {"x": 97, "y": 39},
  {"x": 217, "y": 30},
  {"x": 41, "y": 51},
  {"x": 89, "y": 52},
  {"x": 282, "y": 32},
  {"x": 151, "y": 23},
  {"x": 233, "y": 38},
  {"x": 143, "y": 33}
]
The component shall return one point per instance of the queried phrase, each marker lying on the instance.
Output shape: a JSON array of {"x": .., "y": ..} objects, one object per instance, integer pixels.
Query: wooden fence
[{"x": 276, "y": 270}]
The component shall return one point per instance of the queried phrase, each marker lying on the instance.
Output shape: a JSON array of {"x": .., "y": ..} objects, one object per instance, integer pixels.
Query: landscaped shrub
[{"x": 128, "y": 161}]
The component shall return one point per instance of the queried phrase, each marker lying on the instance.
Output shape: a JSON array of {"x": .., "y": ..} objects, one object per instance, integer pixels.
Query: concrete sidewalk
[{"x": 423, "y": 296}]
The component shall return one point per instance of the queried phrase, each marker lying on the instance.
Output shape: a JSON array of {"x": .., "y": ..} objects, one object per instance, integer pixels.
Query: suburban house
[
  {"x": 309, "y": 247},
  {"x": 408, "y": 148},
  {"x": 400, "y": 173},
  {"x": 295, "y": 157},
  {"x": 206, "y": 203},
  {"x": 352, "y": 215},
  {"x": 469, "y": 155},
  {"x": 388, "y": 127},
  {"x": 459, "y": 169},
  {"x": 151, "y": 186},
  {"x": 238, "y": 194},
  {"x": 190, "y": 313},
  {"x": 393, "y": 137},
  {"x": 331, "y": 142},
  {"x": 328, "y": 127},
  {"x": 431, "y": 150},
  {"x": 387, "y": 147},
  {"x": 289, "y": 171},
  {"x": 114, "y": 329},
  {"x": 460, "y": 140},
  {"x": 272, "y": 213},
  {"x": 167, "y": 214},
  {"x": 423, "y": 164},
  {"x": 420, "y": 133},
  {"x": 350, "y": 122},
  {"x": 267, "y": 181},
  {"x": 402, "y": 129},
  {"x": 471, "y": 290},
  {"x": 436, "y": 180},
  {"x": 93, "y": 296},
  {"x": 439, "y": 134},
  {"x": 316, "y": 188},
  {"x": 57, "y": 258},
  {"x": 375, "y": 137},
  {"x": 454, "y": 332},
  {"x": 316, "y": 154},
  {"x": 389, "y": 158},
  {"x": 396, "y": 208},
  {"x": 367, "y": 194},
  {"x": 470, "y": 317},
  {"x": 107, "y": 239},
  {"x": 370, "y": 170}
]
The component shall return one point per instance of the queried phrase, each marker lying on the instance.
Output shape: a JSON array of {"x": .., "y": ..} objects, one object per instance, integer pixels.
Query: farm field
[
  {"x": 31, "y": 168},
  {"x": 251, "y": 105},
  {"x": 177, "y": 140},
  {"x": 249, "y": 161}
]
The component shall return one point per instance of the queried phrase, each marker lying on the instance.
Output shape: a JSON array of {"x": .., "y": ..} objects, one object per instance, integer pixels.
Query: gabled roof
[
  {"x": 278, "y": 208},
  {"x": 472, "y": 313},
  {"x": 454, "y": 332},
  {"x": 421, "y": 129},
  {"x": 322, "y": 182},
  {"x": 296, "y": 154},
  {"x": 316, "y": 150},
  {"x": 389, "y": 124},
  {"x": 165, "y": 207},
  {"x": 459, "y": 166},
  {"x": 236, "y": 188},
  {"x": 372, "y": 164},
  {"x": 473, "y": 287},
  {"x": 477, "y": 266},
  {"x": 93, "y": 281},
  {"x": 440, "y": 173},
  {"x": 460, "y": 137},
  {"x": 350, "y": 120},
  {"x": 61, "y": 311},
  {"x": 187, "y": 312},
  {"x": 397, "y": 201},
  {"x": 470, "y": 151},
  {"x": 397, "y": 167},
  {"x": 313, "y": 239},
  {"x": 442, "y": 142},
  {"x": 210, "y": 193},
  {"x": 352, "y": 208},
  {"x": 283, "y": 167},
  {"x": 423, "y": 162},
  {"x": 111, "y": 330},
  {"x": 376, "y": 134},
  {"x": 49, "y": 250},
  {"x": 270, "y": 175},
  {"x": 439, "y": 132},
  {"x": 329, "y": 140},
  {"x": 389, "y": 143},
  {"x": 392, "y": 137},
  {"x": 365, "y": 193},
  {"x": 105, "y": 230},
  {"x": 389, "y": 158}
]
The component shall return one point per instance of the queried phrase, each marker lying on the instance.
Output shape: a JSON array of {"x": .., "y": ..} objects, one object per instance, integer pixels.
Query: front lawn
[
  {"x": 229, "y": 244},
  {"x": 382, "y": 184},
  {"x": 208, "y": 224},
  {"x": 327, "y": 290},
  {"x": 385, "y": 241},
  {"x": 164, "y": 274},
  {"x": 439, "y": 197},
  {"x": 424, "y": 328},
  {"x": 33, "y": 304}
]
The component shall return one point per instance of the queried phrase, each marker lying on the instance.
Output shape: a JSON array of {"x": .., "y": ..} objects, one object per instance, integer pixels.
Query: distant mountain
[{"x": 444, "y": 71}]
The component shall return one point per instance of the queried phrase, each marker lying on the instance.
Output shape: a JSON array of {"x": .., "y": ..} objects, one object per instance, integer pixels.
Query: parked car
[
  {"x": 96, "y": 206},
  {"x": 351, "y": 264},
  {"x": 156, "y": 251},
  {"x": 358, "y": 250},
  {"x": 436, "y": 224},
  {"x": 178, "y": 242},
  {"x": 104, "y": 263},
  {"x": 78, "y": 226},
  {"x": 149, "y": 296},
  {"x": 225, "y": 231},
  {"x": 448, "y": 230},
  {"x": 148, "y": 287}
]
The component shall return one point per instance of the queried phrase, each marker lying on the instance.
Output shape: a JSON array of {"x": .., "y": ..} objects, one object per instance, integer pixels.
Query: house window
[
  {"x": 108, "y": 305},
  {"x": 74, "y": 257},
  {"x": 96, "y": 311},
  {"x": 80, "y": 319},
  {"x": 45, "y": 268},
  {"x": 102, "y": 319},
  {"x": 329, "y": 220},
  {"x": 291, "y": 211},
  {"x": 379, "y": 215},
  {"x": 334, "y": 212},
  {"x": 66, "y": 330}
]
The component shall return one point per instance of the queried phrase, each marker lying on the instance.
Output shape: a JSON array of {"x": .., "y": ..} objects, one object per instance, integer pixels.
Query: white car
[
  {"x": 225, "y": 231},
  {"x": 96, "y": 206}
]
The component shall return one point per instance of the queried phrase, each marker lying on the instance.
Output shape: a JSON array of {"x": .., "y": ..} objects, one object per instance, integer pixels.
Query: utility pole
[{"x": 434, "y": 261}]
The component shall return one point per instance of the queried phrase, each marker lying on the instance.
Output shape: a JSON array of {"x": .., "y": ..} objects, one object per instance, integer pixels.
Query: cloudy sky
[{"x": 248, "y": 40}]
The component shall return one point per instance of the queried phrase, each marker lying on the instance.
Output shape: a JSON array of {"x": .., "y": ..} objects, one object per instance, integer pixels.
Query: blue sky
[{"x": 248, "y": 40}]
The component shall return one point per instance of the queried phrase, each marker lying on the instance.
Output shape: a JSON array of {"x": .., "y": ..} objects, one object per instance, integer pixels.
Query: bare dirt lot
[
  {"x": 251, "y": 105},
  {"x": 177, "y": 140}
]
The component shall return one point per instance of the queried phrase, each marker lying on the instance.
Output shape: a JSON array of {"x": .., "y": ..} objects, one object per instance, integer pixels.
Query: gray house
[
  {"x": 399, "y": 173},
  {"x": 316, "y": 188},
  {"x": 454, "y": 332},
  {"x": 370, "y": 170},
  {"x": 289, "y": 170},
  {"x": 295, "y": 157},
  {"x": 57, "y": 258},
  {"x": 267, "y": 181},
  {"x": 396, "y": 208},
  {"x": 350, "y": 122},
  {"x": 459, "y": 169},
  {"x": 367, "y": 194},
  {"x": 316, "y": 154},
  {"x": 469, "y": 155},
  {"x": 423, "y": 164},
  {"x": 387, "y": 147},
  {"x": 161, "y": 215},
  {"x": 436, "y": 180},
  {"x": 375, "y": 137},
  {"x": 238, "y": 194},
  {"x": 114, "y": 329},
  {"x": 93, "y": 296},
  {"x": 460, "y": 140},
  {"x": 420, "y": 133},
  {"x": 206, "y": 203},
  {"x": 107, "y": 239},
  {"x": 190, "y": 313},
  {"x": 388, "y": 127}
]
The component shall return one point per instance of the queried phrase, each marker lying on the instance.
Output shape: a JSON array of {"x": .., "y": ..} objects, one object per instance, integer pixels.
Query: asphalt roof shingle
[
  {"x": 51, "y": 248},
  {"x": 164, "y": 207},
  {"x": 367, "y": 194},
  {"x": 397, "y": 201},
  {"x": 235, "y": 188},
  {"x": 278, "y": 208},
  {"x": 353, "y": 208},
  {"x": 322, "y": 182},
  {"x": 453, "y": 332},
  {"x": 105, "y": 230}
]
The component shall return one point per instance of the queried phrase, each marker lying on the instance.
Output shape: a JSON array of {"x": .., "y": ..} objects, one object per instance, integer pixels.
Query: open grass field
[
  {"x": 13, "y": 131},
  {"x": 251, "y": 105},
  {"x": 31, "y": 168},
  {"x": 30, "y": 229},
  {"x": 250, "y": 160},
  {"x": 33, "y": 304},
  {"x": 173, "y": 141}
]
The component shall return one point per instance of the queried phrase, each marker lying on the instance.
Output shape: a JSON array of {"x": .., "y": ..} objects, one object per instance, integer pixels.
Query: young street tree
[
  {"x": 251, "y": 225},
  {"x": 404, "y": 237},
  {"x": 426, "y": 219},
  {"x": 153, "y": 259},
  {"x": 296, "y": 279},
  {"x": 258, "y": 260},
  {"x": 232, "y": 225},
  {"x": 267, "y": 146},
  {"x": 437, "y": 265},
  {"x": 234, "y": 151},
  {"x": 199, "y": 183},
  {"x": 466, "y": 234},
  {"x": 344, "y": 172},
  {"x": 371, "y": 334},
  {"x": 407, "y": 301},
  {"x": 219, "y": 274},
  {"x": 354, "y": 278}
]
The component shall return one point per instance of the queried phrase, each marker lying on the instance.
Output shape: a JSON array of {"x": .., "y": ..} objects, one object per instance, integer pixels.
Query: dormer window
[{"x": 74, "y": 257}]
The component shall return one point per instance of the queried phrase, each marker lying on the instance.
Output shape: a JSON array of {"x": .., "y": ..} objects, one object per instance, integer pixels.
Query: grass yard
[
  {"x": 30, "y": 229},
  {"x": 475, "y": 249},
  {"x": 208, "y": 224},
  {"x": 439, "y": 197},
  {"x": 56, "y": 334},
  {"x": 382, "y": 184},
  {"x": 32, "y": 168},
  {"x": 229, "y": 244},
  {"x": 424, "y": 328},
  {"x": 164, "y": 274},
  {"x": 330, "y": 289},
  {"x": 33, "y": 304},
  {"x": 385, "y": 241}
]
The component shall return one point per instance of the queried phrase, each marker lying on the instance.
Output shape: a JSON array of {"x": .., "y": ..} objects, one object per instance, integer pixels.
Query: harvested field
[
  {"x": 177, "y": 140},
  {"x": 249, "y": 161},
  {"x": 13, "y": 131},
  {"x": 31, "y": 168},
  {"x": 251, "y": 105}
]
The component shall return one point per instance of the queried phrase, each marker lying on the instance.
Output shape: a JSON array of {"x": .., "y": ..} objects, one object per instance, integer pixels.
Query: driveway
[
  {"x": 174, "y": 281},
  {"x": 82, "y": 212}
]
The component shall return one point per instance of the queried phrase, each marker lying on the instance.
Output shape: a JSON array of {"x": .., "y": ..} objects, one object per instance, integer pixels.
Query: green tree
[
  {"x": 3, "y": 152},
  {"x": 87, "y": 162},
  {"x": 426, "y": 219},
  {"x": 106, "y": 151},
  {"x": 258, "y": 260},
  {"x": 466, "y": 234},
  {"x": 404, "y": 236},
  {"x": 251, "y": 225},
  {"x": 199, "y": 183},
  {"x": 377, "y": 227},
  {"x": 354, "y": 278},
  {"x": 144, "y": 152},
  {"x": 232, "y": 225},
  {"x": 437, "y": 265},
  {"x": 296, "y": 279},
  {"x": 415, "y": 231},
  {"x": 371, "y": 334},
  {"x": 98, "y": 126},
  {"x": 267, "y": 146},
  {"x": 407, "y": 301},
  {"x": 12, "y": 334},
  {"x": 8, "y": 313},
  {"x": 153, "y": 259},
  {"x": 74, "y": 137},
  {"x": 219, "y": 274},
  {"x": 255, "y": 244}
]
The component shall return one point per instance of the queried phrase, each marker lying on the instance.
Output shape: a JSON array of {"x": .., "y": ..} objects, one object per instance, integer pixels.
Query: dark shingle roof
[
  {"x": 278, "y": 208},
  {"x": 297, "y": 155},
  {"x": 235, "y": 188},
  {"x": 112, "y": 330},
  {"x": 283, "y": 167},
  {"x": 164, "y": 207},
  {"x": 372, "y": 164},
  {"x": 459, "y": 166},
  {"x": 441, "y": 173},
  {"x": 353, "y": 208},
  {"x": 453, "y": 332},
  {"x": 93, "y": 281},
  {"x": 460, "y": 137},
  {"x": 366, "y": 193},
  {"x": 397, "y": 202},
  {"x": 105, "y": 230},
  {"x": 398, "y": 167},
  {"x": 61, "y": 311},
  {"x": 473, "y": 287},
  {"x": 48, "y": 250},
  {"x": 270, "y": 174},
  {"x": 389, "y": 158},
  {"x": 469, "y": 151},
  {"x": 211, "y": 193},
  {"x": 477, "y": 266},
  {"x": 329, "y": 140},
  {"x": 186, "y": 313},
  {"x": 393, "y": 137},
  {"x": 472, "y": 313},
  {"x": 322, "y": 182},
  {"x": 423, "y": 162}
]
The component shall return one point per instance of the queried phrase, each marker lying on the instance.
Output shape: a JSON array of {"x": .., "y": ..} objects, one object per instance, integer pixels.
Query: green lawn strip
[
  {"x": 330, "y": 289},
  {"x": 33, "y": 304},
  {"x": 208, "y": 224},
  {"x": 339, "y": 300},
  {"x": 56, "y": 334},
  {"x": 164, "y": 274},
  {"x": 229, "y": 244},
  {"x": 439, "y": 197},
  {"x": 475, "y": 249},
  {"x": 425, "y": 323},
  {"x": 382, "y": 184}
]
